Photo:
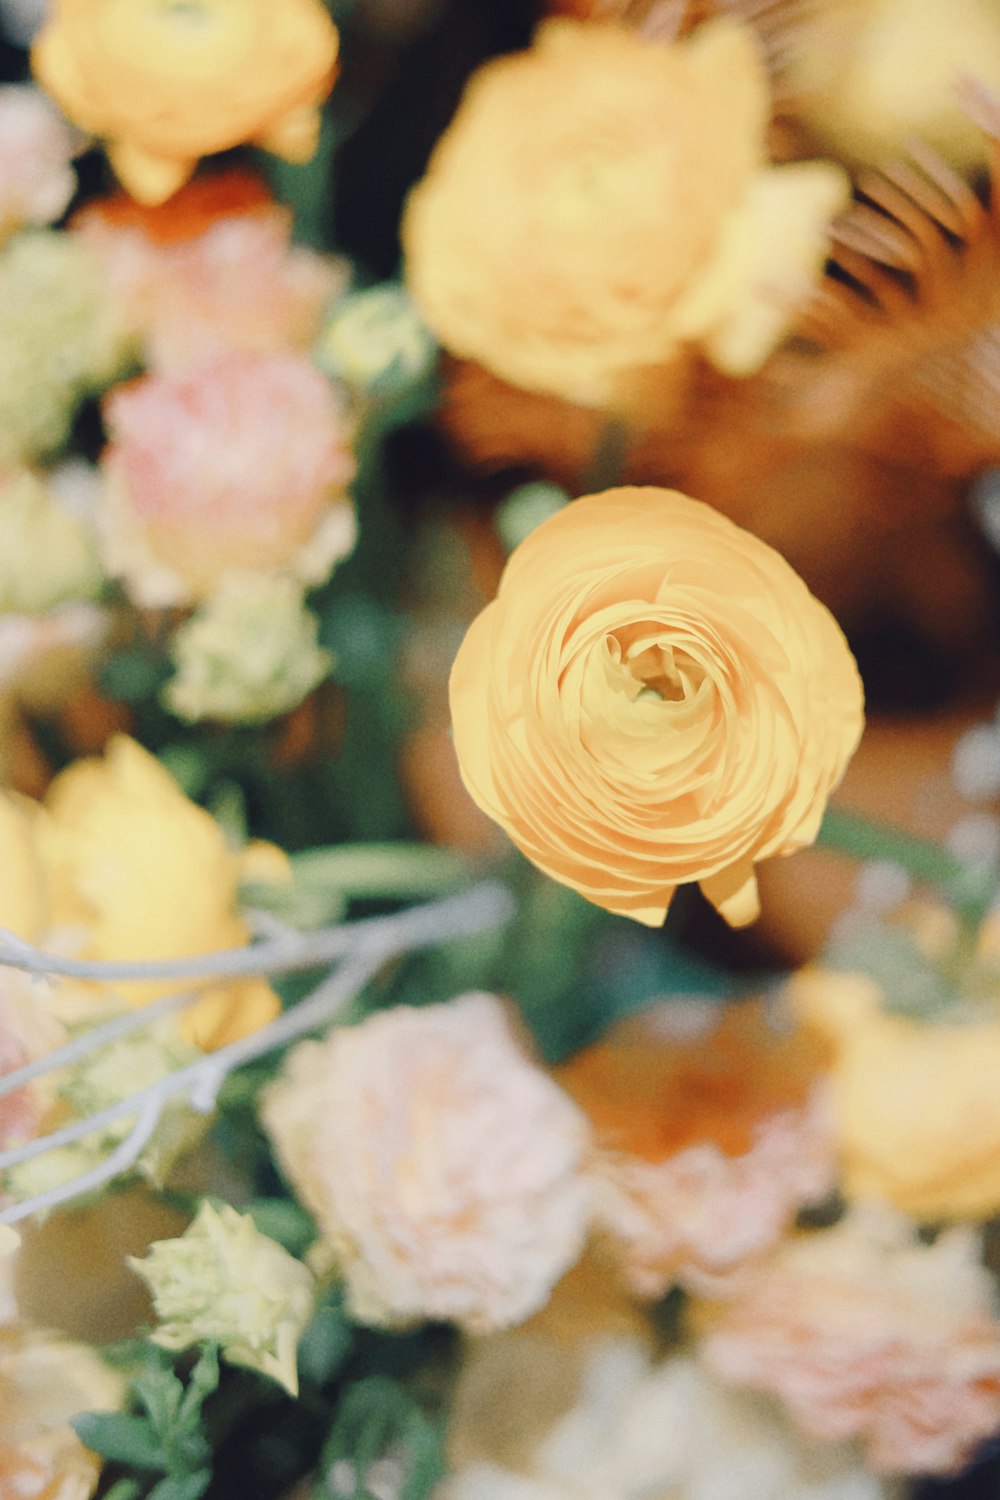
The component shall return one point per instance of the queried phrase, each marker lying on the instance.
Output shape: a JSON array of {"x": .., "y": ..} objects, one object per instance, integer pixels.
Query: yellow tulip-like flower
[
  {"x": 917, "y": 1108},
  {"x": 22, "y": 880},
  {"x": 654, "y": 697},
  {"x": 602, "y": 199},
  {"x": 140, "y": 872},
  {"x": 165, "y": 82}
]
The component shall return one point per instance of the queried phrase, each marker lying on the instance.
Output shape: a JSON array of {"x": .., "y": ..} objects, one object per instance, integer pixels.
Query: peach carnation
[
  {"x": 654, "y": 697},
  {"x": 36, "y": 149},
  {"x": 865, "y": 1332},
  {"x": 211, "y": 270},
  {"x": 602, "y": 199},
  {"x": 443, "y": 1166},
  {"x": 707, "y": 1145},
  {"x": 238, "y": 466}
]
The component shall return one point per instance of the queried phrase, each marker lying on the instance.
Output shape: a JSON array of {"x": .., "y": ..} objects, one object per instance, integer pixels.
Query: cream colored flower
[
  {"x": 224, "y": 1281},
  {"x": 443, "y": 1167},
  {"x": 602, "y": 199},
  {"x": 866, "y": 1332},
  {"x": 633, "y": 1429},
  {"x": 249, "y": 654}
]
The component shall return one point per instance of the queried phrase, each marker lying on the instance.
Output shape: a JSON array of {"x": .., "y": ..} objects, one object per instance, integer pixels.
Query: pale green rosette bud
[
  {"x": 225, "y": 1282},
  {"x": 49, "y": 556},
  {"x": 376, "y": 343},
  {"x": 247, "y": 655},
  {"x": 103, "y": 1078},
  {"x": 61, "y": 338}
]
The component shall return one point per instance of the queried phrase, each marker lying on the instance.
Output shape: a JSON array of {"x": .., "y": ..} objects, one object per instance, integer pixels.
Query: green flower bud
[
  {"x": 224, "y": 1281},
  {"x": 247, "y": 655},
  {"x": 376, "y": 343},
  {"x": 49, "y": 555}
]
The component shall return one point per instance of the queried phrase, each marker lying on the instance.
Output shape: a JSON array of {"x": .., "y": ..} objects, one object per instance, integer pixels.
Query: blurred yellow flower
[
  {"x": 142, "y": 872},
  {"x": 870, "y": 76},
  {"x": 917, "y": 1108},
  {"x": 165, "y": 83},
  {"x": 22, "y": 882},
  {"x": 602, "y": 199},
  {"x": 119, "y": 865}
]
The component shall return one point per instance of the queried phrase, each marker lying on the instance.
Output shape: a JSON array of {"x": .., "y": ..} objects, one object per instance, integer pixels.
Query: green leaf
[
  {"x": 326, "y": 1343},
  {"x": 186, "y": 1487},
  {"x": 282, "y": 1220},
  {"x": 378, "y": 1418},
  {"x": 122, "y": 1438}
]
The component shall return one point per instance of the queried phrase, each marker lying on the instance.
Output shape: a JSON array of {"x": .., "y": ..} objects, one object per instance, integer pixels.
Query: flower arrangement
[{"x": 482, "y": 1017}]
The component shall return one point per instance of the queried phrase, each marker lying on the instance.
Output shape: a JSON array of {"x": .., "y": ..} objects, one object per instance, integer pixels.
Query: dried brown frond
[{"x": 908, "y": 316}]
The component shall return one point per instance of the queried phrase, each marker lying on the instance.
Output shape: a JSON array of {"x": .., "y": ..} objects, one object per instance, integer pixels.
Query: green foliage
[
  {"x": 379, "y": 1422},
  {"x": 164, "y": 1434}
]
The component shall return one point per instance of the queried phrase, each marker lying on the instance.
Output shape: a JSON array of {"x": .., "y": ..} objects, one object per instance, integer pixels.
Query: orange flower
[
  {"x": 708, "y": 1140},
  {"x": 602, "y": 199},
  {"x": 167, "y": 83},
  {"x": 654, "y": 697}
]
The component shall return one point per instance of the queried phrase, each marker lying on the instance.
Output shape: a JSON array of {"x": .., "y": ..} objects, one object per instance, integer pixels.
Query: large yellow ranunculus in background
[
  {"x": 917, "y": 1106},
  {"x": 165, "y": 83},
  {"x": 602, "y": 199},
  {"x": 654, "y": 697},
  {"x": 119, "y": 865}
]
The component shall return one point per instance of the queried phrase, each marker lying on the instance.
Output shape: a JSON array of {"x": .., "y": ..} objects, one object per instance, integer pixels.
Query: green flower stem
[{"x": 969, "y": 889}]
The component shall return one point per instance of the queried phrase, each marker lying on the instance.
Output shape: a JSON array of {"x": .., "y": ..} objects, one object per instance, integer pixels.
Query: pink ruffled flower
[
  {"x": 213, "y": 272},
  {"x": 708, "y": 1142},
  {"x": 444, "y": 1168},
  {"x": 36, "y": 148},
  {"x": 239, "y": 466},
  {"x": 27, "y": 1031},
  {"x": 864, "y": 1332}
]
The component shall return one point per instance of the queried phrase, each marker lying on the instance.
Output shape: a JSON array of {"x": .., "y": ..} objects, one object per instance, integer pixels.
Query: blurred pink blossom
[
  {"x": 238, "y": 466},
  {"x": 233, "y": 281},
  {"x": 865, "y": 1332},
  {"x": 36, "y": 148}
]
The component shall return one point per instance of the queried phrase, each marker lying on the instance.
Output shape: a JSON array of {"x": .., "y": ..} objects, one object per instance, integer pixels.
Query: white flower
[
  {"x": 444, "y": 1168},
  {"x": 638, "y": 1429}
]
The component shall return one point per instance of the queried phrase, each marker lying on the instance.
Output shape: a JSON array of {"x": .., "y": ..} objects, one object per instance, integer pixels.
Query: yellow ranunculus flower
[
  {"x": 653, "y": 698},
  {"x": 917, "y": 1104},
  {"x": 22, "y": 885},
  {"x": 165, "y": 82},
  {"x": 602, "y": 199},
  {"x": 138, "y": 871}
]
